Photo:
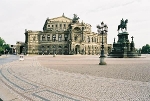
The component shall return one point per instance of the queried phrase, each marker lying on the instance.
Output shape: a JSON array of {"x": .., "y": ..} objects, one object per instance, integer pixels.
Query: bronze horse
[{"x": 123, "y": 25}]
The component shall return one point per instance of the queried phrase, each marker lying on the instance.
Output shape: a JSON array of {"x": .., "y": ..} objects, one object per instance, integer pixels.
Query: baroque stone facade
[{"x": 62, "y": 35}]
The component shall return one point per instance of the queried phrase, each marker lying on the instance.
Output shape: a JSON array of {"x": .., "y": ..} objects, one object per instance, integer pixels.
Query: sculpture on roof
[{"x": 75, "y": 18}]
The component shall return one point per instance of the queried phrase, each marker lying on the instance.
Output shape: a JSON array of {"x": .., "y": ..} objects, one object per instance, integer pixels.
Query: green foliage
[
  {"x": 3, "y": 46},
  {"x": 1, "y": 49},
  {"x": 1, "y": 41},
  {"x": 145, "y": 49}
]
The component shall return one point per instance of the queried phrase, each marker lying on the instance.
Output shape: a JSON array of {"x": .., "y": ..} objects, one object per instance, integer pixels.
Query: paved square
[{"x": 77, "y": 78}]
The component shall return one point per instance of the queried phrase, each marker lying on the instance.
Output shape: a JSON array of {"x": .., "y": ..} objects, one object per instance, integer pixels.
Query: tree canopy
[
  {"x": 3, "y": 46},
  {"x": 146, "y": 49},
  {"x": 1, "y": 41}
]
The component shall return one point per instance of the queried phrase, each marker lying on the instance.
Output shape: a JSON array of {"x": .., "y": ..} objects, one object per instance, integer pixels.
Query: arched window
[
  {"x": 54, "y": 38},
  {"x": 66, "y": 37},
  {"x": 60, "y": 47},
  {"x": 42, "y": 48},
  {"x": 34, "y": 38},
  {"x": 88, "y": 39},
  {"x": 66, "y": 47},
  {"x": 64, "y": 25},
  {"x": 54, "y": 46},
  {"x": 95, "y": 39}
]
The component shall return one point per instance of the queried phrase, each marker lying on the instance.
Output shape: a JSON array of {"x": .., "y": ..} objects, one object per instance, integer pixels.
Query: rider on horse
[{"x": 123, "y": 24}]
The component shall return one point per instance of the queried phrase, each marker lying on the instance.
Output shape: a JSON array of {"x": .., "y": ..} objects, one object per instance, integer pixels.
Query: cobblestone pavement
[{"x": 77, "y": 78}]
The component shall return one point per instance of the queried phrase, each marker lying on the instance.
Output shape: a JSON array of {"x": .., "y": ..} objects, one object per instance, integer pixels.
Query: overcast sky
[{"x": 18, "y": 15}]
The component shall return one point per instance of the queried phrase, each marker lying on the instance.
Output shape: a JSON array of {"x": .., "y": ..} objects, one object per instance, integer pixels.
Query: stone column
[{"x": 40, "y": 37}]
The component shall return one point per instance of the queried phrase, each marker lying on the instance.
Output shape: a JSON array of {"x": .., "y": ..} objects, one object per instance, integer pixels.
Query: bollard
[
  {"x": 21, "y": 57},
  {"x": 54, "y": 55}
]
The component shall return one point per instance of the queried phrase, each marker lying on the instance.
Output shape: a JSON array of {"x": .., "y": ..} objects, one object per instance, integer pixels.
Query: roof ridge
[{"x": 60, "y": 17}]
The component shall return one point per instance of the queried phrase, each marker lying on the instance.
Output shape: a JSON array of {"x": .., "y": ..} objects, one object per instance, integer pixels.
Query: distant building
[
  {"x": 13, "y": 49},
  {"x": 20, "y": 47},
  {"x": 62, "y": 35}
]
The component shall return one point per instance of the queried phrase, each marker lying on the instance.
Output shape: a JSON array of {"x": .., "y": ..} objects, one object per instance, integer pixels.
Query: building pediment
[{"x": 61, "y": 19}]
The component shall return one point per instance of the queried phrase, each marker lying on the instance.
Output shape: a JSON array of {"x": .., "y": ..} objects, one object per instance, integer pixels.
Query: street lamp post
[{"x": 102, "y": 29}]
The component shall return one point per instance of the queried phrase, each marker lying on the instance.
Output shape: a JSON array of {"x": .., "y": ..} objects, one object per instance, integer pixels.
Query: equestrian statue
[{"x": 123, "y": 25}]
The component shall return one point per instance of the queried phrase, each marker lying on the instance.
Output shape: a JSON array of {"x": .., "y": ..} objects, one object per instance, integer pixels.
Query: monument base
[
  {"x": 124, "y": 55},
  {"x": 123, "y": 48}
]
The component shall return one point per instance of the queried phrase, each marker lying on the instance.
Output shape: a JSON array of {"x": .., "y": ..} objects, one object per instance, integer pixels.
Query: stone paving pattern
[{"x": 77, "y": 78}]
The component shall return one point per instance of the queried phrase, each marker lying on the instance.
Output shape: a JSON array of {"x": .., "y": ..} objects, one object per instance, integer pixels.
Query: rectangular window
[
  {"x": 59, "y": 38},
  {"x": 43, "y": 38}
]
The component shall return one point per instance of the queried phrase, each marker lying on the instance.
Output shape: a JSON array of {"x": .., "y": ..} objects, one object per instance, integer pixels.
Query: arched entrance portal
[
  {"x": 77, "y": 49},
  {"x": 21, "y": 49}
]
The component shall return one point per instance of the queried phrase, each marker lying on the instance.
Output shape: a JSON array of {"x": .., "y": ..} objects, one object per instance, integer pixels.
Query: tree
[
  {"x": 1, "y": 41},
  {"x": 3, "y": 46},
  {"x": 145, "y": 49}
]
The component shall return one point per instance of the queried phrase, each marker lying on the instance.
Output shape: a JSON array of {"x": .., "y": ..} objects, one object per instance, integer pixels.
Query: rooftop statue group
[{"x": 75, "y": 18}]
